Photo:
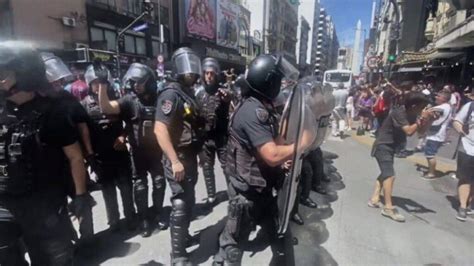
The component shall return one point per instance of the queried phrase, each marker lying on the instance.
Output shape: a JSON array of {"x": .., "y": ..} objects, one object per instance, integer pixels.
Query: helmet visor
[
  {"x": 56, "y": 70},
  {"x": 288, "y": 70},
  {"x": 137, "y": 74},
  {"x": 187, "y": 63}
]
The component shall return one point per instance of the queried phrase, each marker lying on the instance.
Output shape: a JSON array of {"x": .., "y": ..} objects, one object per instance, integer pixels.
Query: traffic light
[{"x": 392, "y": 58}]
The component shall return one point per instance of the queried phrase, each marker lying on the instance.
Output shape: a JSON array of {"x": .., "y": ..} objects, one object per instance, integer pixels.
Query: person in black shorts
[{"x": 401, "y": 121}]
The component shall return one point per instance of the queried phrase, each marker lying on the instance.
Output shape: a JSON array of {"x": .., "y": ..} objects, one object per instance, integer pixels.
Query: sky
[{"x": 345, "y": 14}]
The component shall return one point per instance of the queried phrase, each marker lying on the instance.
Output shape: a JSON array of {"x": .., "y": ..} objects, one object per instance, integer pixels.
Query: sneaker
[
  {"x": 429, "y": 177},
  {"x": 393, "y": 214},
  {"x": 372, "y": 204},
  {"x": 470, "y": 211},
  {"x": 462, "y": 214}
]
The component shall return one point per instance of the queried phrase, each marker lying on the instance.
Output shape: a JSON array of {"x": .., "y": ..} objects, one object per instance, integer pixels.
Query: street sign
[
  {"x": 372, "y": 62},
  {"x": 141, "y": 27}
]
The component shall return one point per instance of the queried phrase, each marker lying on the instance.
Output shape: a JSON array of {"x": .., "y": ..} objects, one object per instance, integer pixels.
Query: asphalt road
[{"x": 344, "y": 231}]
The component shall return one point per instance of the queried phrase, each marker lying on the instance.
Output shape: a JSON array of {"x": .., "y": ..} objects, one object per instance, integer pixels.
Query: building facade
[
  {"x": 304, "y": 29},
  {"x": 327, "y": 44},
  {"x": 280, "y": 28}
]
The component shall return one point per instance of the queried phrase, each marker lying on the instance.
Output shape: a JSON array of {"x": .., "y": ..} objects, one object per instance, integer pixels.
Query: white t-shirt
[
  {"x": 467, "y": 141},
  {"x": 340, "y": 96},
  {"x": 442, "y": 121}
]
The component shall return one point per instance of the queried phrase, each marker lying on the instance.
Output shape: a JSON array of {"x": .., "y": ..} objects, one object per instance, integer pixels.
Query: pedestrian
[
  {"x": 339, "y": 113},
  {"x": 108, "y": 136},
  {"x": 401, "y": 121},
  {"x": 137, "y": 109},
  {"x": 39, "y": 143},
  {"x": 254, "y": 163},
  {"x": 436, "y": 134},
  {"x": 178, "y": 128},
  {"x": 364, "y": 105},
  {"x": 350, "y": 110},
  {"x": 214, "y": 103},
  {"x": 464, "y": 124}
]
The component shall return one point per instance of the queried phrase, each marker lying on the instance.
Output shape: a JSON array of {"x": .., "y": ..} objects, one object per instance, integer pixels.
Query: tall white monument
[{"x": 357, "y": 51}]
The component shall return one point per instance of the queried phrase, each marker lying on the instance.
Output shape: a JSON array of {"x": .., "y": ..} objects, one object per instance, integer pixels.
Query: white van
[{"x": 334, "y": 77}]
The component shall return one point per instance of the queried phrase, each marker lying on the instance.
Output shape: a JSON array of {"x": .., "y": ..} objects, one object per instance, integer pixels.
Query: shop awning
[{"x": 443, "y": 55}]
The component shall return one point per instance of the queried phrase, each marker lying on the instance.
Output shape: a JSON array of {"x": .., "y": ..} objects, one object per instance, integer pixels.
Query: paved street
[{"x": 345, "y": 233}]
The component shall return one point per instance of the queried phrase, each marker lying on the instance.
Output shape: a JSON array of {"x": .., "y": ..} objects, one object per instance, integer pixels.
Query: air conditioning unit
[
  {"x": 81, "y": 45},
  {"x": 70, "y": 22}
]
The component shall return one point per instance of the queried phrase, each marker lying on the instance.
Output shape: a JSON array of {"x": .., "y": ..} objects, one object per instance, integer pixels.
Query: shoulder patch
[
  {"x": 262, "y": 115},
  {"x": 166, "y": 107}
]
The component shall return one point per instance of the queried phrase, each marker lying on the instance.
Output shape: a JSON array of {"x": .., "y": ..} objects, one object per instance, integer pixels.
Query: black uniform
[
  {"x": 216, "y": 113},
  {"x": 139, "y": 115},
  {"x": 251, "y": 180},
  {"x": 115, "y": 166},
  {"x": 178, "y": 109},
  {"x": 33, "y": 185}
]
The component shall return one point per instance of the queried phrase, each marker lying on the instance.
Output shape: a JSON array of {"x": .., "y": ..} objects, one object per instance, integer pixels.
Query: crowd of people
[
  {"x": 138, "y": 131},
  {"x": 393, "y": 112}
]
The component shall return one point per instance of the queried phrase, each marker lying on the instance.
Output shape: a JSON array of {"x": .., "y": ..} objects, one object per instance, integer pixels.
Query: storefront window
[
  {"x": 141, "y": 47},
  {"x": 129, "y": 44},
  {"x": 110, "y": 37},
  {"x": 96, "y": 34},
  {"x": 156, "y": 48}
]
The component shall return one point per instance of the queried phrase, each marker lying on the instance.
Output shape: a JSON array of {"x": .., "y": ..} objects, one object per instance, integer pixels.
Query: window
[
  {"x": 141, "y": 47},
  {"x": 129, "y": 44},
  {"x": 111, "y": 38},
  {"x": 96, "y": 34},
  {"x": 156, "y": 48}
]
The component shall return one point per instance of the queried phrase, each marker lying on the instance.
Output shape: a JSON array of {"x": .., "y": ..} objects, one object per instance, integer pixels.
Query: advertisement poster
[
  {"x": 227, "y": 24},
  {"x": 200, "y": 19}
]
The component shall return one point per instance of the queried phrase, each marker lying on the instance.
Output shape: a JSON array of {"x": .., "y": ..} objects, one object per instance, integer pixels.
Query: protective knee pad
[
  {"x": 140, "y": 191},
  {"x": 210, "y": 179},
  {"x": 178, "y": 228},
  {"x": 159, "y": 182}
]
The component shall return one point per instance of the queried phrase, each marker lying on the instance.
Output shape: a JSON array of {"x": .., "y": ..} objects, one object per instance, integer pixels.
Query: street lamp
[{"x": 147, "y": 8}]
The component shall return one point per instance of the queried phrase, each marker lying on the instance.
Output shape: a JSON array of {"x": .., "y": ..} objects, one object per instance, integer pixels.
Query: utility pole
[
  {"x": 264, "y": 42},
  {"x": 148, "y": 8}
]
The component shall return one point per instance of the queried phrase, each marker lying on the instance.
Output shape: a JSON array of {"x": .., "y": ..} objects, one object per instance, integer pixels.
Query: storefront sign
[
  {"x": 219, "y": 55},
  {"x": 200, "y": 19}
]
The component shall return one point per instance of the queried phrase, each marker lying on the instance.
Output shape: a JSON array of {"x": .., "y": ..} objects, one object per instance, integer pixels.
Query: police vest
[
  {"x": 143, "y": 125},
  {"x": 193, "y": 121},
  {"x": 245, "y": 168},
  {"x": 26, "y": 164}
]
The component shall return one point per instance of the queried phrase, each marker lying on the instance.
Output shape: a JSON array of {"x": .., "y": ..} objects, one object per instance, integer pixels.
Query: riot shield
[{"x": 294, "y": 122}]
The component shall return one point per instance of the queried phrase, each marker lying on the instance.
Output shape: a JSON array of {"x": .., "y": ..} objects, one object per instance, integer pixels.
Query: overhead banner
[
  {"x": 227, "y": 24},
  {"x": 200, "y": 16}
]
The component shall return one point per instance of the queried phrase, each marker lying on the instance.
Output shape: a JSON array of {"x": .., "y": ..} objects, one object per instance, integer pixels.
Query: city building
[
  {"x": 303, "y": 34},
  {"x": 81, "y": 31},
  {"x": 280, "y": 28},
  {"x": 314, "y": 43},
  {"x": 327, "y": 44},
  {"x": 344, "y": 58}
]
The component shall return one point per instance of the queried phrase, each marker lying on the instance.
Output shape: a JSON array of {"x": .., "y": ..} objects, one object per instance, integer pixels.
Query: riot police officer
[
  {"x": 178, "y": 128},
  {"x": 57, "y": 72},
  {"x": 109, "y": 149},
  {"x": 37, "y": 141},
  {"x": 254, "y": 163},
  {"x": 214, "y": 103},
  {"x": 138, "y": 111}
]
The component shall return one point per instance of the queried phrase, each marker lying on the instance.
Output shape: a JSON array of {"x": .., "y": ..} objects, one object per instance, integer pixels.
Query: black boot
[
  {"x": 179, "y": 231},
  {"x": 308, "y": 202},
  {"x": 145, "y": 228},
  {"x": 297, "y": 219},
  {"x": 320, "y": 189}
]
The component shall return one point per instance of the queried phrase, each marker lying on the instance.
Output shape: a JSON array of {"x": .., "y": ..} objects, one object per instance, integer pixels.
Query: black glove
[
  {"x": 82, "y": 205},
  {"x": 94, "y": 164},
  {"x": 101, "y": 72}
]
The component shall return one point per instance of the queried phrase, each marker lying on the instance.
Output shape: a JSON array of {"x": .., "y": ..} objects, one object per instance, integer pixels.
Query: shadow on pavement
[
  {"x": 208, "y": 242},
  {"x": 203, "y": 209},
  {"x": 454, "y": 201},
  {"x": 152, "y": 263},
  {"x": 105, "y": 245},
  {"x": 410, "y": 205}
]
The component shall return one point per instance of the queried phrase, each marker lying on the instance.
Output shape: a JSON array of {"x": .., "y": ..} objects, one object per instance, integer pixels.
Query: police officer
[
  {"x": 178, "y": 127},
  {"x": 254, "y": 163},
  {"x": 37, "y": 144},
  {"x": 110, "y": 150},
  {"x": 138, "y": 111},
  {"x": 57, "y": 72},
  {"x": 214, "y": 103}
]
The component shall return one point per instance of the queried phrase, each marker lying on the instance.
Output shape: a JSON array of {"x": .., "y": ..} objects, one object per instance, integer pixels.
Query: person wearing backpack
[{"x": 464, "y": 124}]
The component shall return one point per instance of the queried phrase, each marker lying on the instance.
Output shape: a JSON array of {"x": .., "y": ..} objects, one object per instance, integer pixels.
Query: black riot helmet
[
  {"x": 210, "y": 64},
  {"x": 138, "y": 74},
  {"x": 98, "y": 71},
  {"x": 265, "y": 73},
  {"x": 186, "y": 61},
  {"x": 21, "y": 68},
  {"x": 56, "y": 69}
]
